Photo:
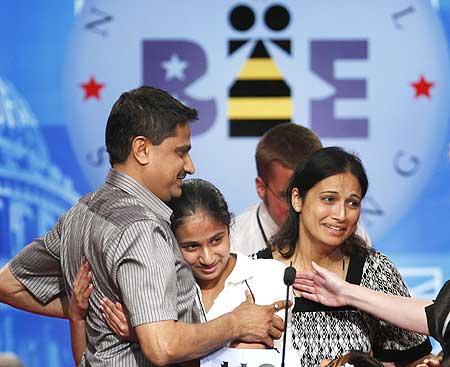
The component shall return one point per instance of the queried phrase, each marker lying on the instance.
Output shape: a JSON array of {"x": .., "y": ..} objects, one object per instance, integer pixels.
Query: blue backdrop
[{"x": 373, "y": 77}]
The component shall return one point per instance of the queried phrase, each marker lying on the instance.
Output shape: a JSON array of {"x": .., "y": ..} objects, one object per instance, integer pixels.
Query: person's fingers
[
  {"x": 84, "y": 284},
  {"x": 268, "y": 341},
  {"x": 78, "y": 276},
  {"x": 86, "y": 264},
  {"x": 277, "y": 322},
  {"x": 113, "y": 313},
  {"x": 111, "y": 323},
  {"x": 119, "y": 306},
  {"x": 310, "y": 296},
  {"x": 248, "y": 297},
  {"x": 84, "y": 281},
  {"x": 303, "y": 281},
  {"x": 275, "y": 333},
  {"x": 88, "y": 291},
  {"x": 109, "y": 314},
  {"x": 304, "y": 275},
  {"x": 118, "y": 312},
  {"x": 278, "y": 305},
  {"x": 305, "y": 288},
  {"x": 106, "y": 301},
  {"x": 318, "y": 269}
]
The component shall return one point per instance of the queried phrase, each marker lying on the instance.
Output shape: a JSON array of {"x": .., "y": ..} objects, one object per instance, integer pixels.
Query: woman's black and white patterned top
[{"x": 320, "y": 332}]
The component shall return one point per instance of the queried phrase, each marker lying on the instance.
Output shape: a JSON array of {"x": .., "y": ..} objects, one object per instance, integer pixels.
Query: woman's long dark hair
[
  {"x": 199, "y": 196},
  {"x": 323, "y": 163}
]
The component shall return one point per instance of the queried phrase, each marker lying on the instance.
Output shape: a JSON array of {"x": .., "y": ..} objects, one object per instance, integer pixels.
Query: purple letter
[
  {"x": 323, "y": 122},
  {"x": 173, "y": 66}
]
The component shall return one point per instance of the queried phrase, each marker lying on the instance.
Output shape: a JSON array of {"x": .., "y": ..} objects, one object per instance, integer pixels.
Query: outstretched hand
[{"x": 321, "y": 285}]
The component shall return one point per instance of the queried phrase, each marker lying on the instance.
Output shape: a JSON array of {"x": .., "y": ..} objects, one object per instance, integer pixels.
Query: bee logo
[{"x": 259, "y": 98}]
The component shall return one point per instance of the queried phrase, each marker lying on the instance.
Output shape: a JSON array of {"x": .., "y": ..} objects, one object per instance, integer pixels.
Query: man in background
[{"x": 280, "y": 150}]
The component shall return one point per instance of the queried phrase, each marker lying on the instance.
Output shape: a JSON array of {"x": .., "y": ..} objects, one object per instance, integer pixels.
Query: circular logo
[{"x": 371, "y": 77}]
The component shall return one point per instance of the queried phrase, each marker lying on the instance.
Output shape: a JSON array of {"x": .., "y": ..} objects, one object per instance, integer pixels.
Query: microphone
[
  {"x": 288, "y": 279},
  {"x": 289, "y": 275}
]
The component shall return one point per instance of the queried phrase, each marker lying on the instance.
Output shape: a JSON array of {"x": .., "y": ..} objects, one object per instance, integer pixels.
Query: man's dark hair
[{"x": 145, "y": 111}]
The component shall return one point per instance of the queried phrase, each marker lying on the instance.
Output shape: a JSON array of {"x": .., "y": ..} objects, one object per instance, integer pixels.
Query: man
[
  {"x": 123, "y": 231},
  {"x": 280, "y": 150}
]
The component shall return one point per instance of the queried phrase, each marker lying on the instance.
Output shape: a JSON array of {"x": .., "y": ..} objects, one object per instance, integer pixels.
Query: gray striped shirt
[{"x": 123, "y": 230}]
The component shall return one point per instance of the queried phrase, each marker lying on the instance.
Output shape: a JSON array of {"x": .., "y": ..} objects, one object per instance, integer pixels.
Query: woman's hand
[
  {"x": 321, "y": 285},
  {"x": 431, "y": 362},
  {"x": 117, "y": 320},
  {"x": 82, "y": 289}
]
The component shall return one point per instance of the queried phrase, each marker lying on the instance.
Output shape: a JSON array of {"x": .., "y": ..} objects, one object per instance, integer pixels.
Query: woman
[
  {"x": 325, "y": 194},
  {"x": 200, "y": 222}
]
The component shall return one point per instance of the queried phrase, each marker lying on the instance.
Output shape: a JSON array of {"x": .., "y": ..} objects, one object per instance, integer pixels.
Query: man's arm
[
  {"x": 13, "y": 293},
  {"x": 168, "y": 342},
  {"x": 325, "y": 287},
  {"x": 32, "y": 280}
]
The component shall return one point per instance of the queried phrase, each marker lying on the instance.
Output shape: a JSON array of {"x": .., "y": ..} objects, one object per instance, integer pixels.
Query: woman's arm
[
  {"x": 82, "y": 289},
  {"x": 325, "y": 287}
]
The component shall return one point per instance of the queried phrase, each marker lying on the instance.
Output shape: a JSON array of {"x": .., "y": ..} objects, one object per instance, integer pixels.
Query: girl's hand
[
  {"x": 82, "y": 289},
  {"x": 117, "y": 320}
]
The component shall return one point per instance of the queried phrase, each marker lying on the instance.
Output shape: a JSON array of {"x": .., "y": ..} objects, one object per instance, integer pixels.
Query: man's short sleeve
[
  {"x": 146, "y": 273},
  {"x": 38, "y": 268}
]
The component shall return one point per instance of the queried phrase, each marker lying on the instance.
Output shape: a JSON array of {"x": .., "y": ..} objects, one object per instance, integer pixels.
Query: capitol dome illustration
[{"x": 33, "y": 190}]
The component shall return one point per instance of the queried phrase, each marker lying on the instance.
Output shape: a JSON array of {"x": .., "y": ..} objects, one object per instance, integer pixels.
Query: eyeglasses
[{"x": 280, "y": 197}]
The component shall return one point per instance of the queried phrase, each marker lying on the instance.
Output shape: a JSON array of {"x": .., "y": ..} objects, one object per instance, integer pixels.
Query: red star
[
  {"x": 92, "y": 88},
  {"x": 422, "y": 87}
]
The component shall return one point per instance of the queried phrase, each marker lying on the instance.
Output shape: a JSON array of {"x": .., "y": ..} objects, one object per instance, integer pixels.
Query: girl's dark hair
[
  {"x": 356, "y": 359},
  {"x": 321, "y": 164},
  {"x": 199, "y": 196}
]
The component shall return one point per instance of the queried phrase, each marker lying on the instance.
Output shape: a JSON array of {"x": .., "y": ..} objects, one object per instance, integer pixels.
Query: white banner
[{"x": 229, "y": 357}]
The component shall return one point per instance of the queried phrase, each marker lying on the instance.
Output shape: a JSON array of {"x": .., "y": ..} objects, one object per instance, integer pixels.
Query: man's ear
[
  {"x": 296, "y": 200},
  {"x": 140, "y": 149},
  {"x": 260, "y": 187}
]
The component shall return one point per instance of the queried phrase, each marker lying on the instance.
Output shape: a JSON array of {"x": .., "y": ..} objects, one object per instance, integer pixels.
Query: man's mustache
[{"x": 181, "y": 176}]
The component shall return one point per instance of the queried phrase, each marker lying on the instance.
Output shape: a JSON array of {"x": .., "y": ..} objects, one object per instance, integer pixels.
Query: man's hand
[
  {"x": 277, "y": 328},
  {"x": 256, "y": 323},
  {"x": 321, "y": 285}
]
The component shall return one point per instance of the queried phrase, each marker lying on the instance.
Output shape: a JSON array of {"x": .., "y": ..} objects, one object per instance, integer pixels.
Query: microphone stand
[{"x": 289, "y": 278}]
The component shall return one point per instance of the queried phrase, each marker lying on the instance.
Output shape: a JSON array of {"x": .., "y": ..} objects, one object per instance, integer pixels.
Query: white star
[{"x": 174, "y": 67}]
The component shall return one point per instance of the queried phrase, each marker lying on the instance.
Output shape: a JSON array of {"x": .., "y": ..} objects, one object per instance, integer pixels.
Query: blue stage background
[{"x": 51, "y": 128}]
